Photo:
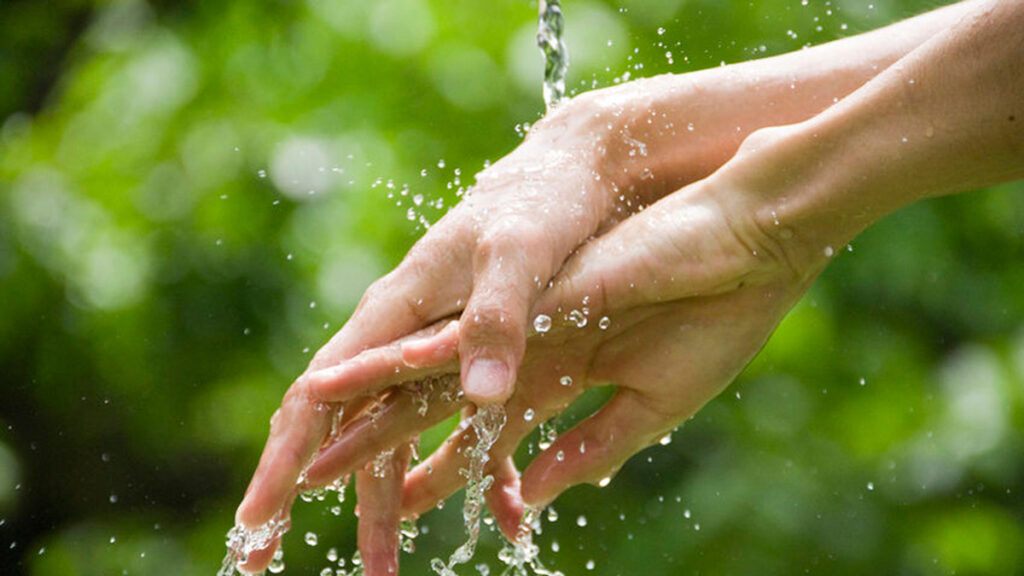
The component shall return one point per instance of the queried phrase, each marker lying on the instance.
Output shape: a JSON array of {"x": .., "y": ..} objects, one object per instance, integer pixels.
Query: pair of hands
[
  {"x": 676, "y": 293},
  {"x": 636, "y": 203}
]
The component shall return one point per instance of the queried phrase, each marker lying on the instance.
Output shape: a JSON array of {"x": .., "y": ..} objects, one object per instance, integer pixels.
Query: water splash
[
  {"x": 487, "y": 424},
  {"x": 521, "y": 556},
  {"x": 444, "y": 388},
  {"x": 242, "y": 541},
  {"x": 550, "y": 25}
]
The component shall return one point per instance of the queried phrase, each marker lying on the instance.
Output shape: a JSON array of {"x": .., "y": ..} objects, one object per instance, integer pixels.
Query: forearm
[
  {"x": 675, "y": 129},
  {"x": 946, "y": 118}
]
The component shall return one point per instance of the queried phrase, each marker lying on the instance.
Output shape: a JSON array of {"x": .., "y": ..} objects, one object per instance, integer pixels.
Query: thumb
[
  {"x": 492, "y": 330},
  {"x": 492, "y": 340}
]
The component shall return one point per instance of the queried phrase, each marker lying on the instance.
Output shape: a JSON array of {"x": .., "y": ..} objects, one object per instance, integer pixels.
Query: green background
[{"x": 193, "y": 196}]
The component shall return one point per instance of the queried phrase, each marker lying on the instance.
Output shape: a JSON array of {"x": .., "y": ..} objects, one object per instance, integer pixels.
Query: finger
[
  {"x": 505, "y": 499},
  {"x": 378, "y": 489},
  {"x": 258, "y": 560},
  {"x": 435, "y": 350},
  {"x": 296, "y": 431},
  {"x": 508, "y": 265},
  {"x": 376, "y": 369},
  {"x": 428, "y": 285},
  {"x": 596, "y": 448},
  {"x": 397, "y": 419}
]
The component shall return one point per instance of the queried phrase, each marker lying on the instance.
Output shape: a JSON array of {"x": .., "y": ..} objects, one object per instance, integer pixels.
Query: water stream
[
  {"x": 520, "y": 556},
  {"x": 487, "y": 424},
  {"x": 550, "y": 26}
]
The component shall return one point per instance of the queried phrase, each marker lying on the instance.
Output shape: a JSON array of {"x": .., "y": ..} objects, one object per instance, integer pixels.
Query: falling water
[
  {"x": 242, "y": 541},
  {"x": 550, "y": 25},
  {"x": 487, "y": 424}
]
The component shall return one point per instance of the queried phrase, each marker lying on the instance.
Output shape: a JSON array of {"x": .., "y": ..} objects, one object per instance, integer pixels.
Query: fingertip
[
  {"x": 319, "y": 383},
  {"x": 432, "y": 350},
  {"x": 250, "y": 513},
  {"x": 487, "y": 381},
  {"x": 535, "y": 493},
  {"x": 547, "y": 477},
  {"x": 505, "y": 500},
  {"x": 259, "y": 560}
]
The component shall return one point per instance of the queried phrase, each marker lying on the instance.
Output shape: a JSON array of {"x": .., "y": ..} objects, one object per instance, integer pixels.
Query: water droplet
[
  {"x": 871, "y": 485},
  {"x": 604, "y": 482},
  {"x": 604, "y": 323},
  {"x": 542, "y": 323},
  {"x": 581, "y": 521},
  {"x": 863, "y": 382},
  {"x": 666, "y": 439},
  {"x": 560, "y": 456},
  {"x": 565, "y": 381},
  {"x": 578, "y": 318},
  {"x": 277, "y": 564},
  {"x": 528, "y": 415},
  {"x": 590, "y": 564},
  {"x": 552, "y": 515},
  {"x": 829, "y": 251},
  {"x": 440, "y": 163},
  {"x": 113, "y": 498},
  {"x": 261, "y": 173}
]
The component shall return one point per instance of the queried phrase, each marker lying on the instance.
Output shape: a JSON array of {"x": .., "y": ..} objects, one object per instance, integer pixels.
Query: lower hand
[{"x": 692, "y": 288}]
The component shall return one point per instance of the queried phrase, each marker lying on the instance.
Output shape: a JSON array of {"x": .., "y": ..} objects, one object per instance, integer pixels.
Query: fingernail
[
  {"x": 486, "y": 380},
  {"x": 316, "y": 380},
  {"x": 413, "y": 351}
]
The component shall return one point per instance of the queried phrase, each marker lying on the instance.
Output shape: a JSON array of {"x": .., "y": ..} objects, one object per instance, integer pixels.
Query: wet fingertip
[
  {"x": 259, "y": 560},
  {"x": 416, "y": 353},
  {"x": 431, "y": 350},
  {"x": 244, "y": 515},
  {"x": 488, "y": 382},
  {"x": 536, "y": 489},
  {"x": 322, "y": 385}
]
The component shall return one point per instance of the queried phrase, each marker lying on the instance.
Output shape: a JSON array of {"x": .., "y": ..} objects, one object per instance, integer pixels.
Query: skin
[{"x": 711, "y": 268}]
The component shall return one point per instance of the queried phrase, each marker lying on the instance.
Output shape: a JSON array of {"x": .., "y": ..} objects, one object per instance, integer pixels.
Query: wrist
[{"x": 800, "y": 192}]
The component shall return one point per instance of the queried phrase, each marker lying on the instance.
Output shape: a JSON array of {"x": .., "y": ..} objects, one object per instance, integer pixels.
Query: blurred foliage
[{"x": 194, "y": 195}]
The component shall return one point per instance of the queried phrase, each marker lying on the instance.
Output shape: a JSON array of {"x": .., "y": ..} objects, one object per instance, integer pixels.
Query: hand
[{"x": 691, "y": 292}]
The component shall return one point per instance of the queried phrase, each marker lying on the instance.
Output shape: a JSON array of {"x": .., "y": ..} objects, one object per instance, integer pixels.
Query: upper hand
[{"x": 692, "y": 287}]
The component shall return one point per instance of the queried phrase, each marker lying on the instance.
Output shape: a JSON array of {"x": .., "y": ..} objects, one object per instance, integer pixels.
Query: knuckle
[
  {"x": 497, "y": 242},
  {"x": 511, "y": 235},
  {"x": 392, "y": 290},
  {"x": 375, "y": 291}
]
